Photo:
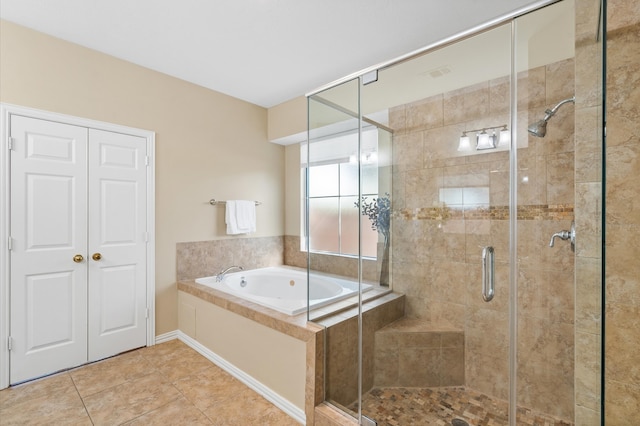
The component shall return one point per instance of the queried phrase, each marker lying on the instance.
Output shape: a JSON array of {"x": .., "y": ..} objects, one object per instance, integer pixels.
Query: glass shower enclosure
[{"x": 458, "y": 188}]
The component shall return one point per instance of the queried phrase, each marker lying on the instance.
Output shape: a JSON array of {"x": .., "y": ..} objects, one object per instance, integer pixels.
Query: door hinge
[
  {"x": 10, "y": 141},
  {"x": 145, "y": 235},
  {"x": 146, "y": 160},
  {"x": 146, "y": 313},
  {"x": 9, "y": 343},
  {"x": 9, "y": 243}
]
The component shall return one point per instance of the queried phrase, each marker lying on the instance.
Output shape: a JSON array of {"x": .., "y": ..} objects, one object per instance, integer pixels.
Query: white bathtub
[{"x": 284, "y": 289}]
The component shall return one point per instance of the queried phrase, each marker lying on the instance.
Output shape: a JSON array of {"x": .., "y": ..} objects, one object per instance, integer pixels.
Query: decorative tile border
[{"x": 525, "y": 212}]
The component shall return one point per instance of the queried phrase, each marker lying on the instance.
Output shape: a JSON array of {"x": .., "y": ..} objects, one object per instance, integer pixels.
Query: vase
[{"x": 384, "y": 267}]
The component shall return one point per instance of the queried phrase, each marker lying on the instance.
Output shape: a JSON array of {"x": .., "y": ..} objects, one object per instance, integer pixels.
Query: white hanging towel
[{"x": 240, "y": 217}]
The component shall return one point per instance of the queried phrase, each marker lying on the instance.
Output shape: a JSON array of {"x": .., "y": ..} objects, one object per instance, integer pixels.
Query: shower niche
[{"x": 476, "y": 149}]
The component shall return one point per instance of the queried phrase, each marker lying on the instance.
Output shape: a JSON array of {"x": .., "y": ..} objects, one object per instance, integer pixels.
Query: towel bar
[{"x": 215, "y": 202}]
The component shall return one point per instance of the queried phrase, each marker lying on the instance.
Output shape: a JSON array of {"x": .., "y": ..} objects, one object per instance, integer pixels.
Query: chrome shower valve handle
[
  {"x": 563, "y": 235},
  {"x": 566, "y": 235}
]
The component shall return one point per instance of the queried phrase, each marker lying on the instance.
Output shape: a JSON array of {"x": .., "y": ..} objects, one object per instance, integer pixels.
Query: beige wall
[
  {"x": 293, "y": 190},
  {"x": 208, "y": 145},
  {"x": 288, "y": 121}
]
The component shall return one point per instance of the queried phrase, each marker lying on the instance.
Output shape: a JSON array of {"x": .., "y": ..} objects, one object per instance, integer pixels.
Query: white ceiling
[{"x": 262, "y": 51}]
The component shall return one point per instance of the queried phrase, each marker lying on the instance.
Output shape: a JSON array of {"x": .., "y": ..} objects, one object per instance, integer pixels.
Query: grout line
[
  {"x": 81, "y": 398},
  {"x": 190, "y": 402}
]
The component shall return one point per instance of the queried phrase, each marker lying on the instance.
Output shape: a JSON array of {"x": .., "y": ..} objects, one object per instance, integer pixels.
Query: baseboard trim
[
  {"x": 171, "y": 335},
  {"x": 276, "y": 399}
]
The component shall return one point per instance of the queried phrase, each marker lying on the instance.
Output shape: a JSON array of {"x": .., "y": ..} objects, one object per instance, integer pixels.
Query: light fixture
[
  {"x": 464, "y": 144},
  {"x": 505, "y": 137},
  {"x": 486, "y": 140}
]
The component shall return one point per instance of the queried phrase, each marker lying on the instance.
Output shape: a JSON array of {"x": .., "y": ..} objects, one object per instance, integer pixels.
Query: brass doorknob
[
  {"x": 78, "y": 258},
  {"x": 96, "y": 256}
]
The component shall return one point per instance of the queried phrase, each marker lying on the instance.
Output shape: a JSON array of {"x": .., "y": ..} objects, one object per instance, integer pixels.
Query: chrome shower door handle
[{"x": 488, "y": 274}]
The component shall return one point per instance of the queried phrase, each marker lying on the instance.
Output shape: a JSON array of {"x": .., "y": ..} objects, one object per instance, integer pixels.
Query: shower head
[{"x": 539, "y": 128}]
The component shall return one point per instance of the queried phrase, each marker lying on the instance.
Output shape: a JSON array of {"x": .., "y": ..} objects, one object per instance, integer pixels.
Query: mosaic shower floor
[{"x": 440, "y": 406}]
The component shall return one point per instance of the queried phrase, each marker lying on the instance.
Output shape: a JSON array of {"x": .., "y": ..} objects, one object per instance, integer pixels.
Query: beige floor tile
[
  {"x": 188, "y": 363},
  {"x": 247, "y": 408},
  {"x": 129, "y": 400},
  {"x": 166, "y": 384},
  {"x": 35, "y": 389},
  {"x": 158, "y": 354},
  {"x": 59, "y": 407},
  {"x": 178, "y": 412},
  {"x": 210, "y": 386},
  {"x": 111, "y": 372}
]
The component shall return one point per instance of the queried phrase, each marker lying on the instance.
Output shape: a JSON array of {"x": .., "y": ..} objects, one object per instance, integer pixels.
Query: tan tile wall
[
  {"x": 341, "y": 380},
  {"x": 207, "y": 258},
  {"x": 437, "y": 248},
  {"x": 622, "y": 333},
  {"x": 415, "y": 353},
  {"x": 588, "y": 214},
  {"x": 339, "y": 265}
]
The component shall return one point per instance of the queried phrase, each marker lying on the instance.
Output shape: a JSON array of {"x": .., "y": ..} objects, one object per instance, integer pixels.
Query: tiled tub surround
[
  {"x": 207, "y": 258},
  {"x": 436, "y": 257},
  {"x": 237, "y": 330},
  {"x": 282, "y": 352},
  {"x": 339, "y": 265},
  {"x": 227, "y": 325},
  {"x": 223, "y": 323}
]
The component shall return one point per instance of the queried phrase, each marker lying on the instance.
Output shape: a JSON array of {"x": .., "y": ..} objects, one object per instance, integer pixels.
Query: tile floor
[
  {"x": 441, "y": 406},
  {"x": 168, "y": 384}
]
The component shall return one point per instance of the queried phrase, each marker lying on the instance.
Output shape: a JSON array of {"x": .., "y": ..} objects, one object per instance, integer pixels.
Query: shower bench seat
[{"x": 418, "y": 353}]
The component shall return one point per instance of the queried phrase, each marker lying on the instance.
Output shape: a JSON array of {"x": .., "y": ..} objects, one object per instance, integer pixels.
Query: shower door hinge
[
  {"x": 9, "y": 343},
  {"x": 366, "y": 421},
  {"x": 370, "y": 77}
]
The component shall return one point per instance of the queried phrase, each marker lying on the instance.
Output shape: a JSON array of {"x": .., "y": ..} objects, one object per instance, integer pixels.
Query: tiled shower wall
[
  {"x": 437, "y": 247},
  {"x": 588, "y": 213},
  {"x": 622, "y": 333}
]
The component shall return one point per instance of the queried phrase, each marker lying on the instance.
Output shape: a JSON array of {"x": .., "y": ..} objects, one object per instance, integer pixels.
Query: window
[{"x": 333, "y": 193}]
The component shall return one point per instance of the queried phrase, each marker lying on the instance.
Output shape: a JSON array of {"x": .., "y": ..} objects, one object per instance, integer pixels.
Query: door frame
[{"x": 6, "y": 111}]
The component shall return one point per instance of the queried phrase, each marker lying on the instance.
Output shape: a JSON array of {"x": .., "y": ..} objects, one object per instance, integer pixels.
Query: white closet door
[
  {"x": 117, "y": 246},
  {"x": 48, "y": 228}
]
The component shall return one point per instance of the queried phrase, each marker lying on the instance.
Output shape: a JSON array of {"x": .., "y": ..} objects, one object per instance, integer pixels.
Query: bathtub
[{"x": 284, "y": 289}]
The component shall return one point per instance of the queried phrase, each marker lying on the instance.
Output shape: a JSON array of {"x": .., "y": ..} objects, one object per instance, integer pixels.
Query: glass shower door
[
  {"x": 488, "y": 149},
  {"x": 558, "y": 52},
  {"x": 349, "y": 208},
  {"x": 448, "y": 356},
  {"x": 332, "y": 231}
]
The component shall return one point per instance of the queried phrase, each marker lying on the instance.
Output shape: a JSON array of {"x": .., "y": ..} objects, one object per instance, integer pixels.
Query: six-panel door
[{"x": 75, "y": 192}]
